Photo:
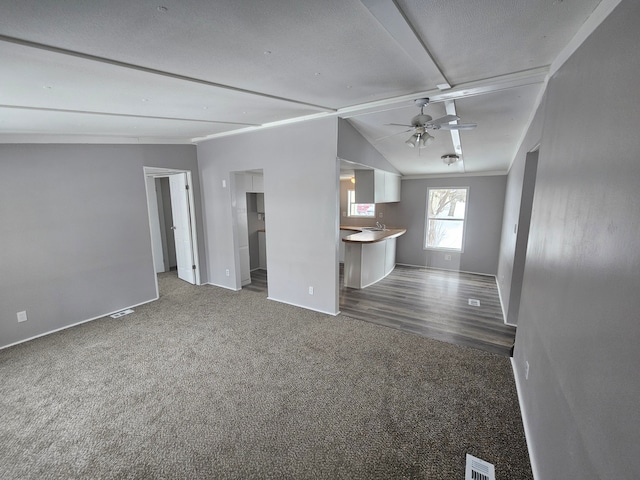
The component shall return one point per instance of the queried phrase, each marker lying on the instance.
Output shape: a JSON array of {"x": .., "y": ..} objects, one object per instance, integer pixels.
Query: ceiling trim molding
[
  {"x": 153, "y": 71},
  {"x": 395, "y": 22},
  {"x": 493, "y": 173},
  {"x": 27, "y": 138},
  {"x": 126, "y": 115},
  {"x": 450, "y": 108},
  {"x": 480, "y": 87},
  {"x": 470, "y": 89},
  {"x": 277, "y": 123}
]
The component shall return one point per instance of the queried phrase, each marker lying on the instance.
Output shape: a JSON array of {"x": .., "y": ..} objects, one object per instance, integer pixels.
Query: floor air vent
[
  {"x": 474, "y": 303},
  {"x": 479, "y": 469},
  {"x": 122, "y": 313}
]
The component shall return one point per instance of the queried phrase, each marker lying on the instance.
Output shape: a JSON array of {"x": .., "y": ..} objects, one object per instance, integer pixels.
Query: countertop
[{"x": 369, "y": 236}]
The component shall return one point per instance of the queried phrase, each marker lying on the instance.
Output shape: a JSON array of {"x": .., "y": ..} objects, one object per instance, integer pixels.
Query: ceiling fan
[{"x": 421, "y": 123}]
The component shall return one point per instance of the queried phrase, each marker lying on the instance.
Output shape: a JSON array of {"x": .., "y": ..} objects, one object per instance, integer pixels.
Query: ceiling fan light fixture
[
  {"x": 450, "y": 158},
  {"x": 426, "y": 139},
  {"x": 412, "y": 140}
]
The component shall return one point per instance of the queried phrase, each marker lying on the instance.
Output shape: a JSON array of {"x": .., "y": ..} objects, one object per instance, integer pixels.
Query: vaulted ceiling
[{"x": 180, "y": 71}]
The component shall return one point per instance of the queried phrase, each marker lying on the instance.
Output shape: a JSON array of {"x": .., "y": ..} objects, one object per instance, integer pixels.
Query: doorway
[
  {"x": 522, "y": 235},
  {"x": 250, "y": 226},
  {"x": 172, "y": 222}
]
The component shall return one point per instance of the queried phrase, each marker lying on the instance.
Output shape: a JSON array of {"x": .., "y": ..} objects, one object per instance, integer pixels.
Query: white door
[{"x": 182, "y": 227}]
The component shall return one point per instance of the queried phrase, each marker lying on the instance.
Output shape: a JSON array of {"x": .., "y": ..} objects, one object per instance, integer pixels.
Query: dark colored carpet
[{"x": 209, "y": 383}]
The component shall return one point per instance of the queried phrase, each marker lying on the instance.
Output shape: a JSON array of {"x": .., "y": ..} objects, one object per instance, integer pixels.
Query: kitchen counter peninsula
[{"x": 370, "y": 255}]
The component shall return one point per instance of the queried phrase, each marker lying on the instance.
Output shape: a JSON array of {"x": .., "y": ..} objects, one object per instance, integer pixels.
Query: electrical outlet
[
  {"x": 447, "y": 256},
  {"x": 224, "y": 184},
  {"x": 227, "y": 272},
  {"x": 344, "y": 214},
  {"x": 310, "y": 290},
  {"x": 381, "y": 215},
  {"x": 22, "y": 316},
  {"x": 526, "y": 370}
]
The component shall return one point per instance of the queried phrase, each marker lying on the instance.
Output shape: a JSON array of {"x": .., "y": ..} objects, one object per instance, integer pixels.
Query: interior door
[{"x": 182, "y": 227}]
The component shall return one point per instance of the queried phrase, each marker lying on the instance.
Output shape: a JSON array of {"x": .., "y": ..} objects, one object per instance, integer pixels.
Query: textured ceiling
[{"x": 179, "y": 71}]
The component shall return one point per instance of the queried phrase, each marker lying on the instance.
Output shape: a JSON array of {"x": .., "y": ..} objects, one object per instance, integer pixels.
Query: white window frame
[
  {"x": 351, "y": 194},
  {"x": 464, "y": 221}
]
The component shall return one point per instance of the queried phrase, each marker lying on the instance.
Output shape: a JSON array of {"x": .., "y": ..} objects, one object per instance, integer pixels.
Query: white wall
[
  {"x": 301, "y": 178},
  {"x": 578, "y": 325}
]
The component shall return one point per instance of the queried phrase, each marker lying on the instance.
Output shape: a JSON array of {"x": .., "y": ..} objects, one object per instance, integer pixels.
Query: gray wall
[
  {"x": 301, "y": 178},
  {"x": 483, "y": 225},
  {"x": 74, "y": 232},
  {"x": 352, "y": 146},
  {"x": 579, "y": 326}
]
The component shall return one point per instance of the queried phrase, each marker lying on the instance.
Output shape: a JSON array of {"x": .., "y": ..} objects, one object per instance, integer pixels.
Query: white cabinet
[
  {"x": 391, "y": 187},
  {"x": 377, "y": 186},
  {"x": 255, "y": 182}
]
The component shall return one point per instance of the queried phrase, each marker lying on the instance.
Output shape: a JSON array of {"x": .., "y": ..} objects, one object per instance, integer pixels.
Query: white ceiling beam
[
  {"x": 122, "y": 115},
  {"x": 470, "y": 89},
  {"x": 480, "y": 87},
  {"x": 394, "y": 21},
  {"x": 450, "y": 108},
  {"x": 153, "y": 71}
]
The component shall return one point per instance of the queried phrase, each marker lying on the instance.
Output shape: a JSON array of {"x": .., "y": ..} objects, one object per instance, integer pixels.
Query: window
[
  {"x": 359, "y": 209},
  {"x": 446, "y": 212}
]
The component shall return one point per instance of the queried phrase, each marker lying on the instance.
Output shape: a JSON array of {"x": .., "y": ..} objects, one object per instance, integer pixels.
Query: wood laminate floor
[{"x": 428, "y": 302}]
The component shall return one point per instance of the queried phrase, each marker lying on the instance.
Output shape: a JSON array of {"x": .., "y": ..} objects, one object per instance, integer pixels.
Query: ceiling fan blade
[
  {"x": 460, "y": 126},
  {"x": 445, "y": 119},
  {"x": 393, "y": 135},
  {"x": 398, "y": 124}
]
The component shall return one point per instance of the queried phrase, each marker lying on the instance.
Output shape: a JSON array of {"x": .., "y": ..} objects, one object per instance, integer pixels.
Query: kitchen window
[
  {"x": 445, "y": 219},
  {"x": 359, "y": 209}
]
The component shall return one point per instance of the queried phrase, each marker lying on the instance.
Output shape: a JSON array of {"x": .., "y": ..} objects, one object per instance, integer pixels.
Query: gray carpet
[{"x": 209, "y": 383}]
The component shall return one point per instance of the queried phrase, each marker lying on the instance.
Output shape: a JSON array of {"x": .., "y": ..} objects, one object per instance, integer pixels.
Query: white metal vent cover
[
  {"x": 122, "y": 313},
  {"x": 474, "y": 303},
  {"x": 479, "y": 469}
]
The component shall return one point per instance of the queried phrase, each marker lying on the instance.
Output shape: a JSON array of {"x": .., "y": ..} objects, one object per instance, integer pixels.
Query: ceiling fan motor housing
[{"x": 420, "y": 120}]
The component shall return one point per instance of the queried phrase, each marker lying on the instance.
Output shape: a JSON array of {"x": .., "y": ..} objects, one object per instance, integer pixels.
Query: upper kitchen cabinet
[{"x": 377, "y": 186}]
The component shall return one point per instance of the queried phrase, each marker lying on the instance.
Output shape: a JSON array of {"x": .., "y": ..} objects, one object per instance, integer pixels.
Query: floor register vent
[
  {"x": 479, "y": 469},
  {"x": 122, "y": 313}
]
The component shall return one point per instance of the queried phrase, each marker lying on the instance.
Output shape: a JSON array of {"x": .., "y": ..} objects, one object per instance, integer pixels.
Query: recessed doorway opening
[{"x": 172, "y": 223}]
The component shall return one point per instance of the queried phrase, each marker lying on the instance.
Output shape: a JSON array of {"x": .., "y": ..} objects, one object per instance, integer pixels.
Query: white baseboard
[
  {"x": 224, "y": 286},
  {"x": 525, "y": 421},
  {"x": 76, "y": 324},
  {"x": 504, "y": 313},
  {"x": 446, "y": 269},
  {"x": 333, "y": 314}
]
